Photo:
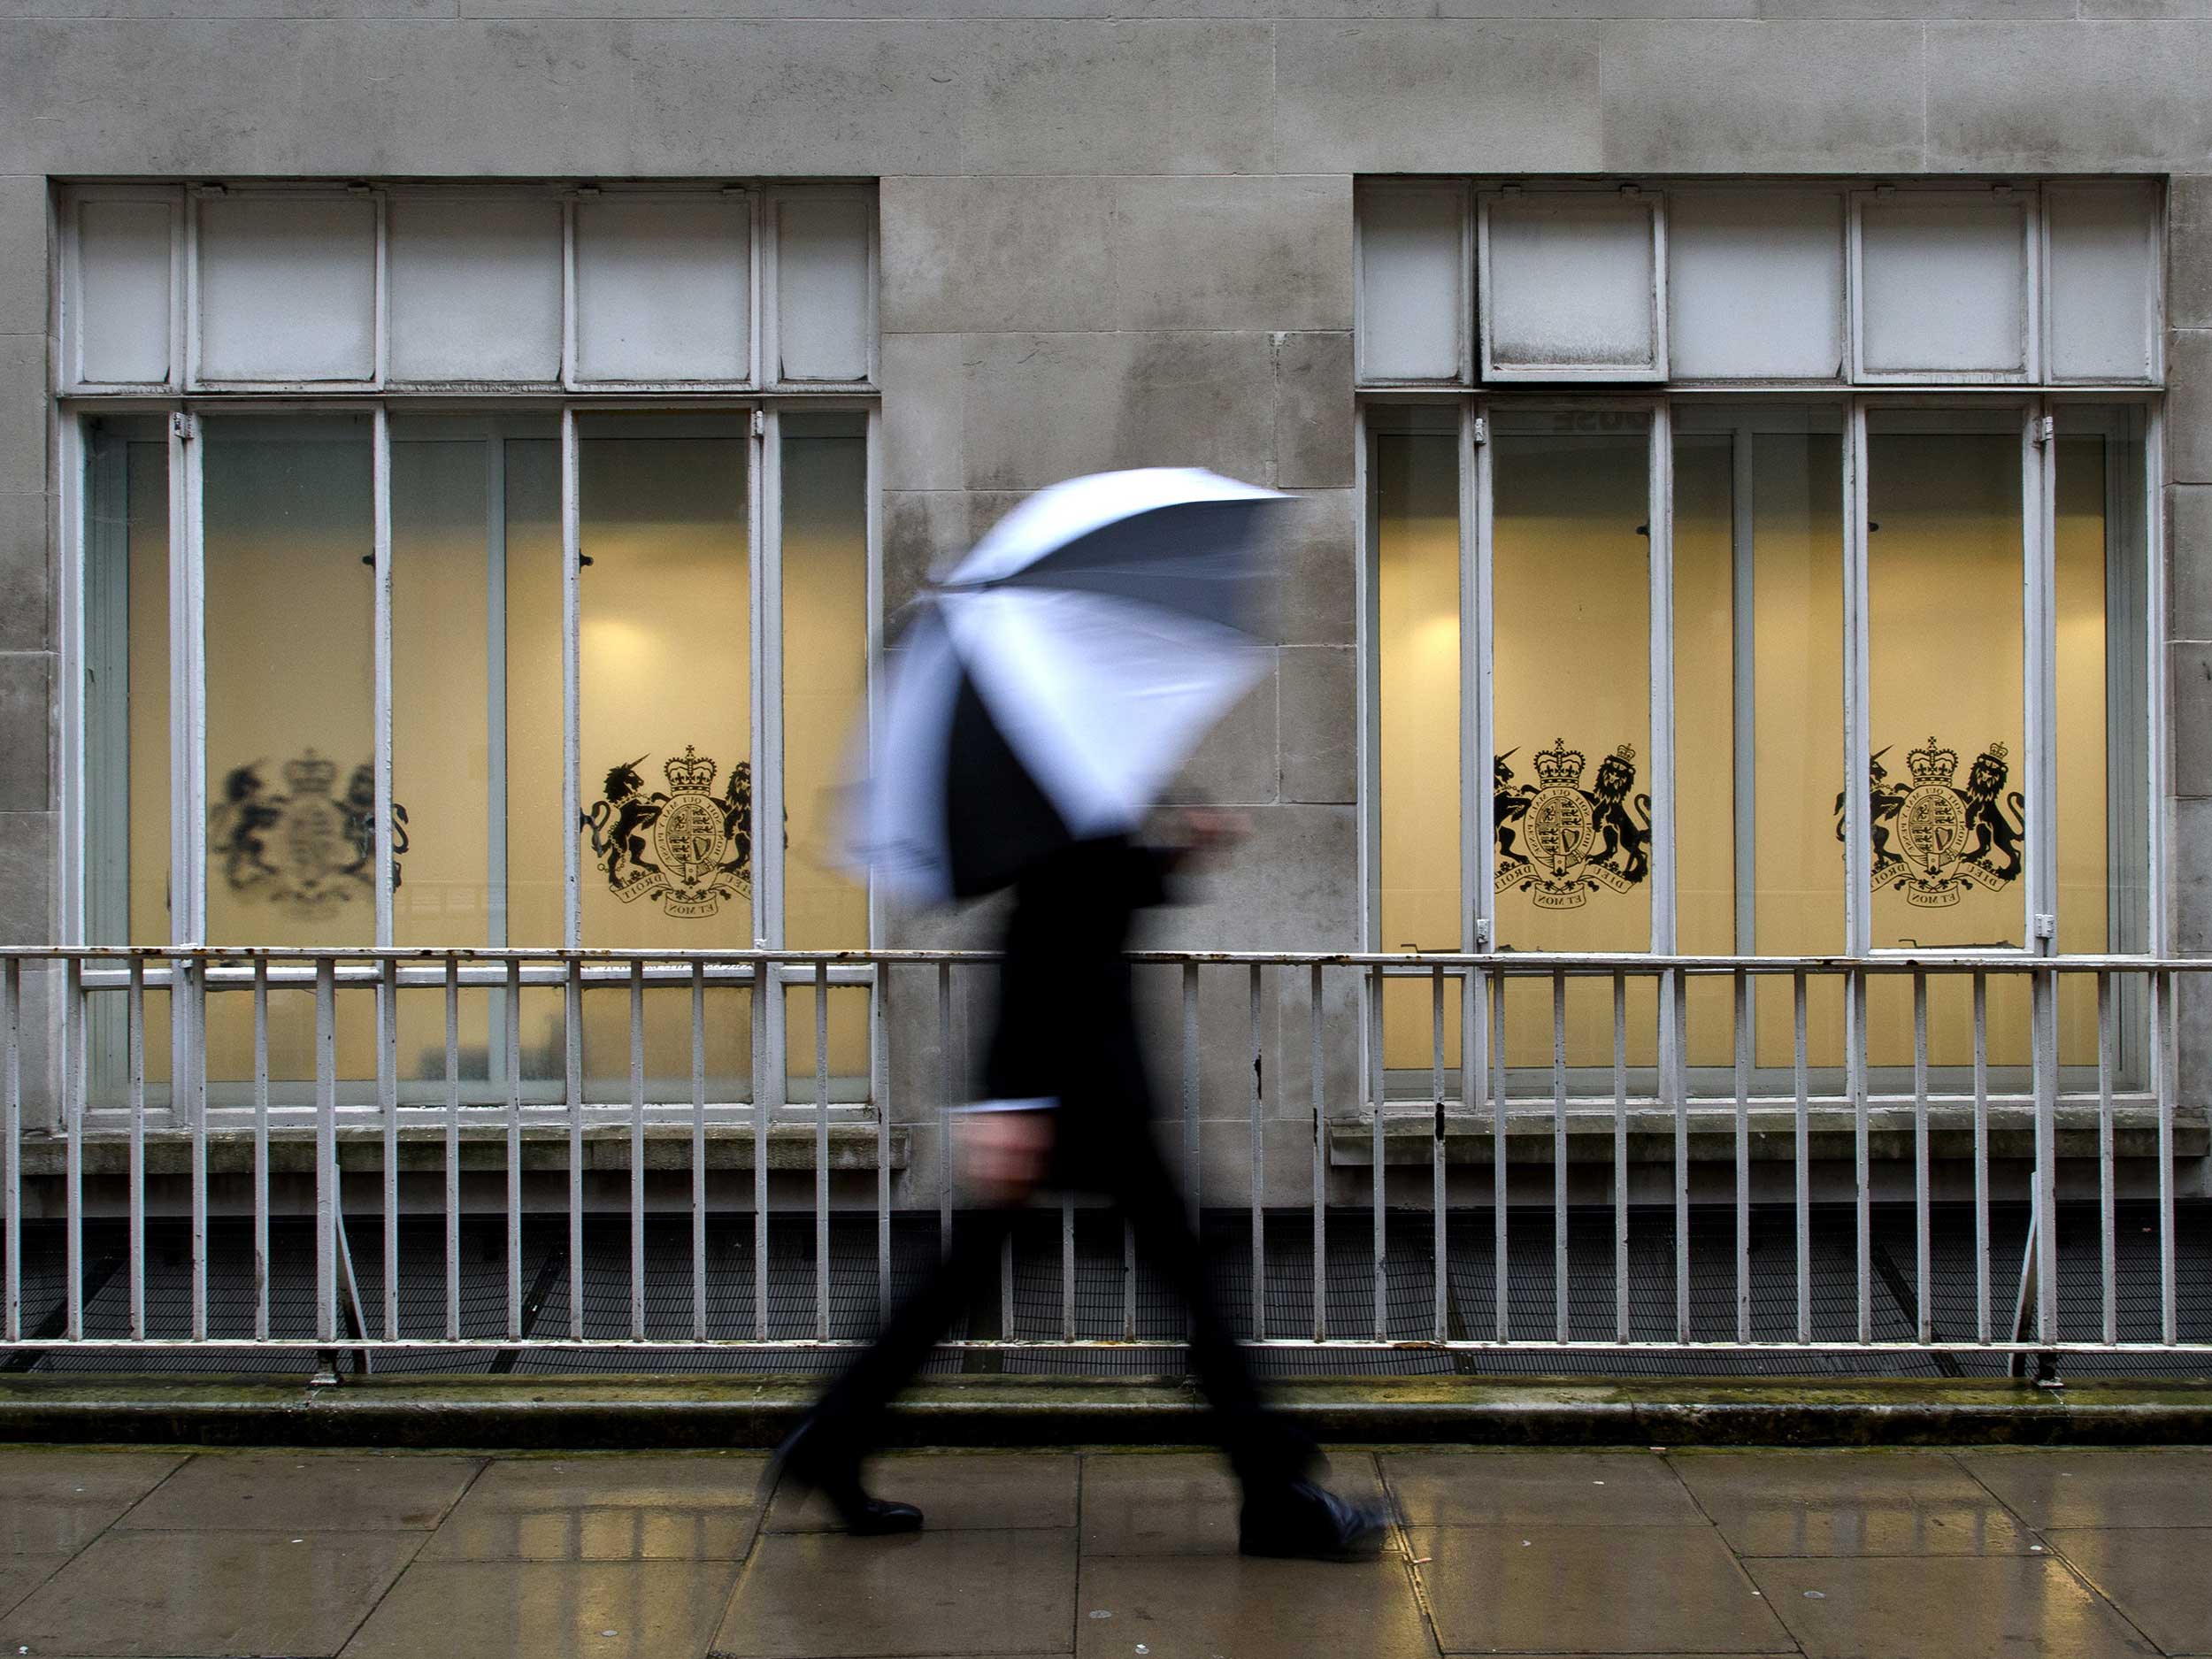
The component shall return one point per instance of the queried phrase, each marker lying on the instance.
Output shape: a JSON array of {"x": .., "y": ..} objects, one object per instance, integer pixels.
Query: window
[
  {"x": 475, "y": 661},
  {"x": 1826, "y": 673}
]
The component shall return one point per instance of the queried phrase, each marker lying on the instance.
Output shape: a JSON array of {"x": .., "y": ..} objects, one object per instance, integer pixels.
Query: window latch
[
  {"x": 2045, "y": 428},
  {"x": 2046, "y": 925},
  {"x": 760, "y": 424},
  {"x": 184, "y": 425},
  {"x": 1481, "y": 434}
]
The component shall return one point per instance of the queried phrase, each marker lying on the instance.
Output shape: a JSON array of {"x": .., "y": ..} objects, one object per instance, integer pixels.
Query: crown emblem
[
  {"x": 1933, "y": 764},
  {"x": 1559, "y": 765},
  {"x": 310, "y": 774},
  {"x": 689, "y": 773}
]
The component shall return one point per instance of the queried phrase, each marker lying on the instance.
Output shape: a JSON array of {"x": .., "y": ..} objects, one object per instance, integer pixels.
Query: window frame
[
  {"x": 2040, "y": 412},
  {"x": 187, "y": 683}
]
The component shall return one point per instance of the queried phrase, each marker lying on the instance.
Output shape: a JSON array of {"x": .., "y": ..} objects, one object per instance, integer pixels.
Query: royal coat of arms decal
[
  {"x": 304, "y": 846},
  {"x": 684, "y": 846},
  {"x": 1931, "y": 839},
  {"x": 1559, "y": 843}
]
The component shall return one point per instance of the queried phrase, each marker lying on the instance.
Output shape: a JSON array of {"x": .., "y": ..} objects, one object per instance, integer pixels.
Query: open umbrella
[{"x": 1052, "y": 683}]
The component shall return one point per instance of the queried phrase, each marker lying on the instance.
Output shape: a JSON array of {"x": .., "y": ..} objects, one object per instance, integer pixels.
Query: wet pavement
[{"x": 1119, "y": 1555}]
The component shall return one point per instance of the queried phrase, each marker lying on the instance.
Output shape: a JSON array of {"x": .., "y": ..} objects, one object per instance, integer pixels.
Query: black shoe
[
  {"x": 836, "y": 1477},
  {"x": 1306, "y": 1522}
]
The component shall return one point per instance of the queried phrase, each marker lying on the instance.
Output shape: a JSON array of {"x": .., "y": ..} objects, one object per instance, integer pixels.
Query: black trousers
[{"x": 1066, "y": 1031}]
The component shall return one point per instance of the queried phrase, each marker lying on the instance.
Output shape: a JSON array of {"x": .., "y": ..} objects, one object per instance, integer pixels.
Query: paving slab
[
  {"x": 1850, "y": 1503},
  {"x": 2171, "y": 1487},
  {"x": 63, "y": 1500},
  {"x": 19, "y": 1575},
  {"x": 1232, "y": 1608},
  {"x": 1482, "y": 1488},
  {"x": 606, "y": 1506},
  {"x": 1184, "y": 1503},
  {"x": 631, "y": 1610},
  {"x": 1531, "y": 1588},
  {"x": 2159, "y": 1577},
  {"x": 827, "y": 1595},
  {"x": 966, "y": 1492},
  {"x": 306, "y": 1490},
  {"x": 176, "y": 1593},
  {"x": 1956, "y": 1606}
]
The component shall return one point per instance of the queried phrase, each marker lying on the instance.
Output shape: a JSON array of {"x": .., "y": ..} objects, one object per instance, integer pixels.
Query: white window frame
[
  {"x": 2035, "y": 409},
  {"x": 187, "y": 687}
]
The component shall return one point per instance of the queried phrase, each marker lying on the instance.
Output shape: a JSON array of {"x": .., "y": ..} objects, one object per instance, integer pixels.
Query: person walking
[{"x": 1130, "y": 587}]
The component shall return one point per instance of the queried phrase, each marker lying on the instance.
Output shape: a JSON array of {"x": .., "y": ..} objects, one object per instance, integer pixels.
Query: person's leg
[
  {"x": 1264, "y": 1448},
  {"x": 826, "y": 1450}
]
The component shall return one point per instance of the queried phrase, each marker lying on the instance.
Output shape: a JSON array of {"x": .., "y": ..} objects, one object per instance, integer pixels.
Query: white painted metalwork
[{"x": 1547, "y": 1118}]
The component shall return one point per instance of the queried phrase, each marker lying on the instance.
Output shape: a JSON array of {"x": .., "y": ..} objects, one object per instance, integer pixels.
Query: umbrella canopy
[{"x": 1049, "y": 688}]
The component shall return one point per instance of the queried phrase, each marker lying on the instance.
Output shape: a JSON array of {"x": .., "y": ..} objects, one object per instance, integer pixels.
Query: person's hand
[
  {"x": 1003, "y": 1156},
  {"x": 1205, "y": 831}
]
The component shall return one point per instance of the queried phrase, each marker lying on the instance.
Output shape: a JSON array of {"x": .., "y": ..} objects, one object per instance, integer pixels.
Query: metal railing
[{"x": 1618, "y": 1077}]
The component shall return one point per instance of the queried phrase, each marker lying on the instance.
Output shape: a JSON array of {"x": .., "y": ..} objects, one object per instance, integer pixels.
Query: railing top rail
[{"x": 1512, "y": 962}]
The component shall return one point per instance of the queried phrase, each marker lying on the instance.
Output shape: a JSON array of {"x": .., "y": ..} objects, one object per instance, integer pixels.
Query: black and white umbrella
[{"x": 1050, "y": 685}]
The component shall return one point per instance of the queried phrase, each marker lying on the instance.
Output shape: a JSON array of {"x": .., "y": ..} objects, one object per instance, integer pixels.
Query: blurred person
[{"x": 1049, "y": 688}]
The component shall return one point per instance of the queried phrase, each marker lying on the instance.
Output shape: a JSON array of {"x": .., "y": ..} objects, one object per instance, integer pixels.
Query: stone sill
[
  {"x": 852, "y": 1147},
  {"x": 1407, "y": 1140}
]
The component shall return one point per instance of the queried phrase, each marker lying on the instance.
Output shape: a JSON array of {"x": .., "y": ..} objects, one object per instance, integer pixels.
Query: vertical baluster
[
  {"x": 1742, "y": 1017},
  {"x": 573, "y": 1087},
  {"x": 1257, "y": 1149},
  {"x": 1440, "y": 1284},
  {"x": 1802, "y": 1175},
  {"x": 1559, "y": 1155},
  {"x": 1673, "y": 1047},
  {"x": 261, "y": 1148},
  {"x": 637, "y": 1149},
  {"x": 2108, "y": 1240},
  {"x": 821, "y": 1151},
  {"x": 196, "y": 1094},
  {"x": 767, "y": 984},
  {"x": 1501, "y": 1285},
  {"x": 1379, "y": 1085},
  {"x": 12, "y": 1151},
  {"x": 326, "y": 1151},
  {"x": 388, "y": 1111},
  {"x": 1317, "y": 1088},
  {"x": 513, "y": 1012},
  {"x": 1620, "y": 1156},
  {"x": 2044, "y": 985},
  {"x": 452, "y": 1149},
  {"x": 879, "y": 1092},
  {"x": 73, "y": 1142},
  {"x": 1924, "y": 1264},
  {"x": 2164, "y": 1012},
  {"x": 698, "y": 1150},
  {"x": 134, "y": 1018},
  {"x": 1862, "y": 1182},
  {"x": 1981, "y": 1158},
  {"x": 946, "y": 1100}
]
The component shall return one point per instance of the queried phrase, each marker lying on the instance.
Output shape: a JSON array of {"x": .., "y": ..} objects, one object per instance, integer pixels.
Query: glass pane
[
  {"x": 825, "y": 667},
  {"x": 288, "y": 542},
  {"x": 127, "y": 683},
  {"x": 475, "y": 551},
  {"x": 290, "y": 722},
  {"x": 667, "y": 701},
  {"x": 1759, "y": 641},
  {"x": 1416, "y": 473},
  {"x": 824, "y": 495},
  {"x": 2102, "y": 740},
  {"x": 1946, "y": 711},
  {"x": 1946, "y": 678},
  {"x": 1571, "y": 597},
  {"x": 666, "y": 713},
  {"x": 126, "y": 725}
]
